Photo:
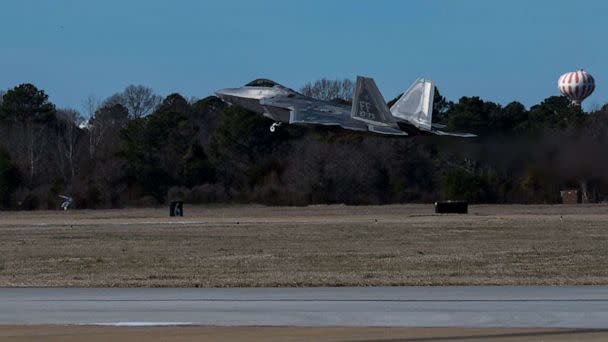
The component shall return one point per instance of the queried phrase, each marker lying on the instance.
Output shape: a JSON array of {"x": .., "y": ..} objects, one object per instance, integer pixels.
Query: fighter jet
[{"x": 410, "y": 115}]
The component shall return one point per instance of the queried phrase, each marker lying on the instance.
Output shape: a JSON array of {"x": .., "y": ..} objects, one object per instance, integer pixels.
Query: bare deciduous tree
[
  {"x": 104, "y": 126},
  {"x": 327, "y": 90},
  {"x": 90, "y": 105},
  {"x": 69, "y": 134},
  {"x": 27, "y": 141},
  {"x": 113, "y": 100},
  {"x": 138, "y": 99}
]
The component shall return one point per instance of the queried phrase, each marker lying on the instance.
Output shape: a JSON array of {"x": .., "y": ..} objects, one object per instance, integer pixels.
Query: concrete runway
[{"x": 504, "y": 306}]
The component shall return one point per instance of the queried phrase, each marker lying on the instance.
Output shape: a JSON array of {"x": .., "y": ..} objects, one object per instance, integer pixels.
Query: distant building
[{"x": 569, "y": 196}]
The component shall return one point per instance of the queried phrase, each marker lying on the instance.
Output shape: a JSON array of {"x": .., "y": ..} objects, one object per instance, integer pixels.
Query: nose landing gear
[{"x": 274, "y": 126}]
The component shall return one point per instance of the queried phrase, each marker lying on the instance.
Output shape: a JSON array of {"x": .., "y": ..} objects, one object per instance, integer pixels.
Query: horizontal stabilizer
[
  {"x": 386, "y": 130},
  {"x": 454, "y": 134}
]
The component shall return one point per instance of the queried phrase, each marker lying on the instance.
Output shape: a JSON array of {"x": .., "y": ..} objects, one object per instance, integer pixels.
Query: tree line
[{"x": 136, "y": 148}]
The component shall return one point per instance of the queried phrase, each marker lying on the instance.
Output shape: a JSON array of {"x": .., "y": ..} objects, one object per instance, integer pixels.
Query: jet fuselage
[
  {"x": 249, "y": 97},
  {"x": 411, "y": 114}
]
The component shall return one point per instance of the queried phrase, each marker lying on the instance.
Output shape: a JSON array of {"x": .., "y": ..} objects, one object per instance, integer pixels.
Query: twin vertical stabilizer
[
  {"x": 416, "y": 104},
  {"x": 369, "y": 106},
  {"x": 413, "y": 108}
]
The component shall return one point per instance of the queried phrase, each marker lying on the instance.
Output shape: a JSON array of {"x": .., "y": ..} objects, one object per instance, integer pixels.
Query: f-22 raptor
[{"x": 410, "y": 115}]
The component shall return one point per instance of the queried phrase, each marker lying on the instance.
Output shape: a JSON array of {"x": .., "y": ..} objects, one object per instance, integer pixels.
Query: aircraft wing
[
  {"x": 305, "y": 111},
  {"x": 453, "y": 134},
  {"x": 311, "y": 111}
]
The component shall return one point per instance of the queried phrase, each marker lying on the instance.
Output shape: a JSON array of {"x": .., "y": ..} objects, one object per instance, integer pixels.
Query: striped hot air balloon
[{"x": 576, "y": 85}]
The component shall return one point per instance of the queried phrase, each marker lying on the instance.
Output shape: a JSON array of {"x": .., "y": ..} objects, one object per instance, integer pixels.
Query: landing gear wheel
[{"x": 274, "y": 126}]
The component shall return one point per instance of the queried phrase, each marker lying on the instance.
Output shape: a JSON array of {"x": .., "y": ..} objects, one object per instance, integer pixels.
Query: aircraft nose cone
[
  {"x": 220, "y": 93},
  {"x": 228, "y": 95},
  {"x": 225, "y": 92}
]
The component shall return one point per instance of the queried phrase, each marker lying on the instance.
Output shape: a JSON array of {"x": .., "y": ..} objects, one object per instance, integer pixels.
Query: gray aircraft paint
[
  {"x": 416, "y": 104},
  {"x": 369, "y": 106},
  {"x": 369, "y": 111},
  {"x": 415, "y": 107}
]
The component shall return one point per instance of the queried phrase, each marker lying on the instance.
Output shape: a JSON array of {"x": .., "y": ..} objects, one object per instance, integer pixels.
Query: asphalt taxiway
[{"x": 468, "y": 306}]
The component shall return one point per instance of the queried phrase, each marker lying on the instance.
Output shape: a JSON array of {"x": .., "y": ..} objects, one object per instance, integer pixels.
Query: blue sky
[{"x": 499, "y": 50}]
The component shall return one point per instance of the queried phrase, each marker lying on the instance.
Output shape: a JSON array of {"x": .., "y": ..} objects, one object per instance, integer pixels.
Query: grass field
[{"x": 306, "y": 246}]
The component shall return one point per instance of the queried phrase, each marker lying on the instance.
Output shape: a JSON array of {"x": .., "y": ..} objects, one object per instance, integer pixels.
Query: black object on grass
[{"x": 452, "y": 207}]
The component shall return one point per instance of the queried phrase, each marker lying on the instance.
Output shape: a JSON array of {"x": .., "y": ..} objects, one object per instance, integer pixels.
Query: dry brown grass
[{"x": 310, "y": 246}]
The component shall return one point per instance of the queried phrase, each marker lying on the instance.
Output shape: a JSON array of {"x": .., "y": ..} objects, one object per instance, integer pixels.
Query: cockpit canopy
[
  {"x": 266, "y": 83},
  {"x": 261, "y": 82}
]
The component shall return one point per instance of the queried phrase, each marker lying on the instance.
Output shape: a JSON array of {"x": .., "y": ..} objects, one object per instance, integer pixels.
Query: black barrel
[
  {"x": 452, "y": 207},
  {"x": 176, "y": 208}
]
